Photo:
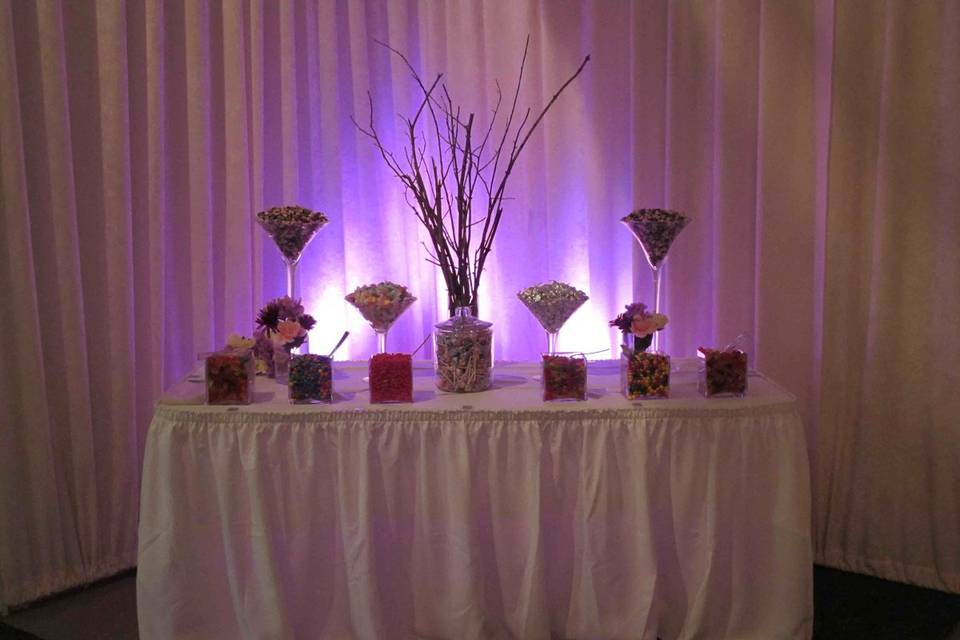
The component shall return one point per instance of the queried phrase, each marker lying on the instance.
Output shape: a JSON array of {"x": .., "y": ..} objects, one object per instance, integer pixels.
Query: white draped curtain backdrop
[{"x": 815, "y": 145}]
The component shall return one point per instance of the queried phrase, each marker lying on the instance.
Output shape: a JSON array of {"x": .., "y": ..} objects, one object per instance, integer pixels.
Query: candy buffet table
[{"x": 488, "y": 515}]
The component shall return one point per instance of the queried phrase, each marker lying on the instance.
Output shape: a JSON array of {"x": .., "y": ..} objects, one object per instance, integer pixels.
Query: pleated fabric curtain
[{"x": 815, "y": 146}]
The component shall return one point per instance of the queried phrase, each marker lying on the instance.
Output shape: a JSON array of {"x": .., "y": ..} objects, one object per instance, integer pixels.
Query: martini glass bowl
[
  {"x": 381, "y": 304},
  {"x": 655, "y": 230},
  {"x": 552, "y": 304}
]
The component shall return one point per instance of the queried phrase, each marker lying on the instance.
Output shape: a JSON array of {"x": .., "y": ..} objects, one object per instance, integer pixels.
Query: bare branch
[{"x": 441, "y": 165}]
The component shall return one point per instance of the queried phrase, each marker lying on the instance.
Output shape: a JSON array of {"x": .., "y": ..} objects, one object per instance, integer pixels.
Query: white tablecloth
[{"x": 487, "y": 515}]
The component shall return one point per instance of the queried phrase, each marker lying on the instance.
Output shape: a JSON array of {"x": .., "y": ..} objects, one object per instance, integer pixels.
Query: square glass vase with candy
[
  {"x": 229, "y": 376},
  {"x": 310, "y": 379},
  {"x": 722, "y": 372},
  {"x": 391, "y": 378},
  {"x": 643, "y": 374},
  {"x": 564, "y": 377}
]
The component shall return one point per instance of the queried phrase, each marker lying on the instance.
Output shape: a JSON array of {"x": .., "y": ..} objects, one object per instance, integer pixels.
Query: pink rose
[
  {"x": 290, "y": 330},
  {"x": 642, "y": 326}
]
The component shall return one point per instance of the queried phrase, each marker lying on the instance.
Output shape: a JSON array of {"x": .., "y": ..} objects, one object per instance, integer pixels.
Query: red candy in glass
[{"x": 391, "y": 378}]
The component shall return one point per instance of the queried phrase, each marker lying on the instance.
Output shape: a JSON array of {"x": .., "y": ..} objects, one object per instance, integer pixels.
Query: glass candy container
[
  {"x": 391, "y": 378},
  {"x": 722, "y": 372},
  {"x": 380, "y": 305},
  {"x": 655, "y": 230},
  {"x": 463, "y": 353},
  {"x": 229, "y": 377},
  {"x": 564, "y": 377},
  {"x": 310, "y": 379},
  {"x": 291, "y": 228},
  {"x": 644, "y": 374},
  {"x": 552, "y": 304}
]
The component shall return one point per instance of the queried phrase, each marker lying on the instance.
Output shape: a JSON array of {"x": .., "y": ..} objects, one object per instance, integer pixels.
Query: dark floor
[{"x": 847, "y": 607}]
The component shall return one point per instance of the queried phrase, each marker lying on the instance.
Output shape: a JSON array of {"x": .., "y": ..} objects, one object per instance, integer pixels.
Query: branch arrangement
[{"x": 444, "y": 159}]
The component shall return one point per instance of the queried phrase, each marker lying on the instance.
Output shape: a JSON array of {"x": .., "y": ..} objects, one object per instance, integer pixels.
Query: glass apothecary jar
[
  {"x": 564, "y": 377},
  {"x": 463, "y": 353},
  {"x": 645, "y": 374},
  {"x": 722, "y": 372},
  {"x": 391, "y": 378},
  {"x": 230, "y": 375},
  {"x": 310, "y": 379}
]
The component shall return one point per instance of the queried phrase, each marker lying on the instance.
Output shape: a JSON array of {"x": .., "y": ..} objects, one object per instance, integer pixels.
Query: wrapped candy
[
  {"x": 722, "y": 372},
  {"x": 310, "y": 379},
  {"x": 229, "y": 377},
  {"x": 464, "y": 353},
  {"x": 552, "y": 303},
  {"x": 391, "y": 378},
  {"x": 564, "y": 377}
]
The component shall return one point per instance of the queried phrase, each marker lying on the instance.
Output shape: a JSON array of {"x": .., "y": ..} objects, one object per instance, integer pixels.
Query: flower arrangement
[
  {"x": 281, "y": 324},
  {"x": 238, "y": 342},
  {"x": 639, "y": 323}
]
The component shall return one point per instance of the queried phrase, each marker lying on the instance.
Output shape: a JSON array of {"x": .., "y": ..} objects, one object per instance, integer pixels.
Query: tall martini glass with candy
[
  {"x": 552, "y": 304},
  {"x": 655, "y": 230},
  {"x": 381, "y": 304},
  {"x": 292, "y": 228}
]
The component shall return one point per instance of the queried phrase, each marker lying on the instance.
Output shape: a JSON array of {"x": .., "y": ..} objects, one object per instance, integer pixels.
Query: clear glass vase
[
  {"x": 564, "y": 377},
  {"x": 722, "y": 372},
  {"x": 281, "y": 365},
  {"x": 311, "y": 379},
  {"x": 229, "y": 376},
  {"x": 463, "y": 353},
  {"x": 644, "y": 374},
  {"x": 391, "y": 378}
]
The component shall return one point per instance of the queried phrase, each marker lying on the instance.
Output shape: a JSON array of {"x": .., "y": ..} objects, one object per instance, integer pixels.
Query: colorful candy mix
[
  {"x": 722, "y": 372},
  {"x": 564, "y": 378},
  {"x": 310, "y": 379},
  {"x": 646, "y": 375},
  {"x": 381, "y": 304},
  {"x": 391, "y": 378},
  {"x": 229, "y": 376},
  {"x": 552, "y": 303},
  {"x": 655, "y": 230},
  {"x": 291, "y": 228}
]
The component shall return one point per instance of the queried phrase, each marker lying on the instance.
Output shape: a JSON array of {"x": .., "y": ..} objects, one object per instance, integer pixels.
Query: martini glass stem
[
  {"x": 381, "y": 341},
  {"x": 657, "y": 290},
  {"x": 291, "y": 278},
  {"x": 552, "y": 341}
]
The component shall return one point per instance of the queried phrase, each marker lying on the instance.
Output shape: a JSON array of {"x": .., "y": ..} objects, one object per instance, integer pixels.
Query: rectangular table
[{"x": 489, "y": 515}]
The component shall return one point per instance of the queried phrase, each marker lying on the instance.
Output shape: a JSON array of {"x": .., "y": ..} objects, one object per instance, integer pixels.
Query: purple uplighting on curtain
[{"x": 814, "y": 145}]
